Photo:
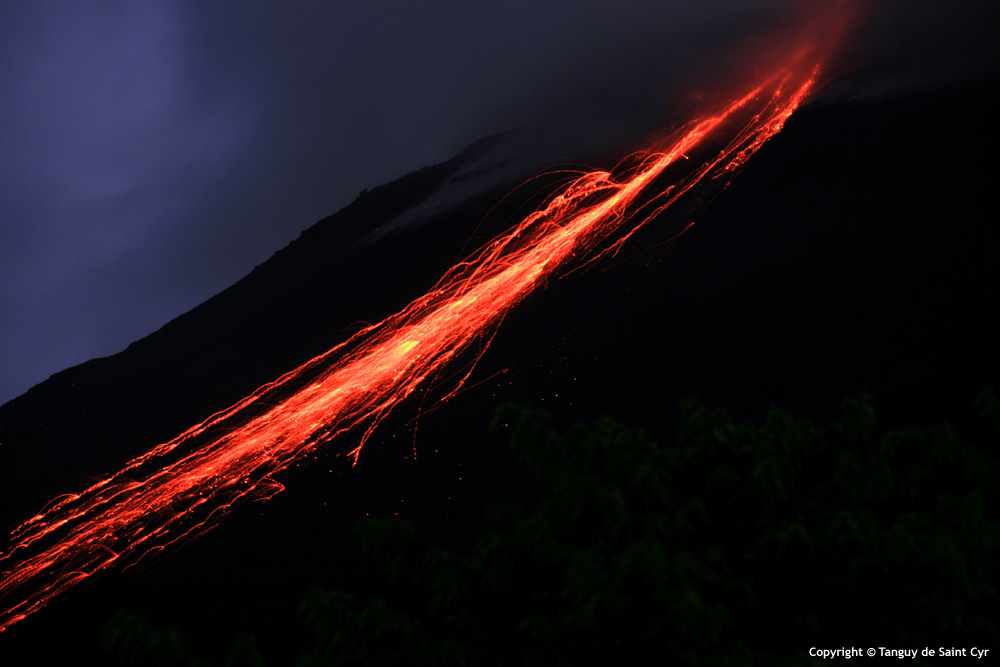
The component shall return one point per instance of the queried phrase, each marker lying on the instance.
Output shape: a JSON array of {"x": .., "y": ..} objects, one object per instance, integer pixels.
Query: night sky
[{"x": 153, "y": 153}]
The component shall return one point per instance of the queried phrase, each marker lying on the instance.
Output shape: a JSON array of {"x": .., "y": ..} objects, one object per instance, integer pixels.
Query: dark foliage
[{"x": 738, "y": 544}]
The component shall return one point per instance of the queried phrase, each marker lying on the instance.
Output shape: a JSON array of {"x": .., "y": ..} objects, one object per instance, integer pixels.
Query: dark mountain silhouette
[
  {"x": 287, "y": 310},
  {"x": 855, "y": 253}
]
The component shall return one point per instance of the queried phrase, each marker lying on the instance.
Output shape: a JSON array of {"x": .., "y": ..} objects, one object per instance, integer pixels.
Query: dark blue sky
[{"x": 152, "y": 153}]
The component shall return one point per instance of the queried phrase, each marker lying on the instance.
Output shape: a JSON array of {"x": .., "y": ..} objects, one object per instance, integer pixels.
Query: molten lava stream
[{"x": 180, "y": 488}]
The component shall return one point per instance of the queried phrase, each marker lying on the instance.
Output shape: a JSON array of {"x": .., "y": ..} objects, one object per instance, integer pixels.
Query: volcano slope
[{"x": 853, "y": 254}]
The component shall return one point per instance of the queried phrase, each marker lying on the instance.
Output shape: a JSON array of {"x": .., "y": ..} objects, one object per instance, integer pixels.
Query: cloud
[
  {"x": 153, "y": 153},
  {"x": 104, "y": 147}
]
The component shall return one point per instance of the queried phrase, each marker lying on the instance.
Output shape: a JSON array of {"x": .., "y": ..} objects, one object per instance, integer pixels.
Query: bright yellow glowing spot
[{"x": 406, "y": 346}]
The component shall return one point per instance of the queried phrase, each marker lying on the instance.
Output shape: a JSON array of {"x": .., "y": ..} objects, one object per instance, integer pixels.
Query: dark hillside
[
  {"x": 857, "y": 252},
  {"x": 88, "y": 419}
]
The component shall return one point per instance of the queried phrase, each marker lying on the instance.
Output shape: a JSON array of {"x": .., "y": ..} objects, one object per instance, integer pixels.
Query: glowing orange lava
[{"x": 180, "y": 488}]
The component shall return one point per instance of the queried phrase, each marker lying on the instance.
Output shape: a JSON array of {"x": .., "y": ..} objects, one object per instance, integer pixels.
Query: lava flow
[{"x": 180, "y": 488}]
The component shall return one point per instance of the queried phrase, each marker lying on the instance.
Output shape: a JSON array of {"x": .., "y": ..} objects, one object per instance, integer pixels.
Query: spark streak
[{"x": 180, "y": 488}]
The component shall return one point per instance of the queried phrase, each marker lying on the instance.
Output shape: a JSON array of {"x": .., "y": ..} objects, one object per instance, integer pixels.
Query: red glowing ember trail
[{"x": 180, "y": 488}]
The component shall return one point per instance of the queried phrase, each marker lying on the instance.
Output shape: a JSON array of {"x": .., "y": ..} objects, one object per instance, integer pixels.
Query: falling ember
[{"x": 180, "y": 489}]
